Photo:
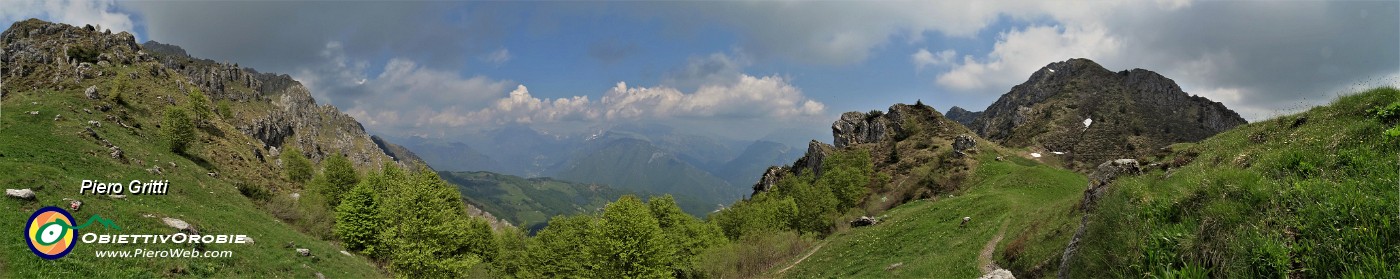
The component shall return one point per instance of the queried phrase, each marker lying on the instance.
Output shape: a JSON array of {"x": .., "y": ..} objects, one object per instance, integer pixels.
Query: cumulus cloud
[
  {"x": 924, "y": 58},
  {"x": 498, "y": 57},
  {"x": 1019, "y": 52},
  {"x": 76, "y": 12}
]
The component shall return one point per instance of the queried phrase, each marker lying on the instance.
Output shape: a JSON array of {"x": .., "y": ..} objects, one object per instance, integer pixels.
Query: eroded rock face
[
  {"x": 858, "y": 127},
  {"x": 1134, "y": 112}
]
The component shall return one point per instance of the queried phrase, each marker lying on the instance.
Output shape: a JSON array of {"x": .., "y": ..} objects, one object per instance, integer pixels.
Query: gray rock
[
  {"x": 92, "y": 93},
  {"x": 304, "y": 252},
  {"x": 998, "y": 274},
  {"x": 343, "y": 252},
  {"x": 116, "y": 152},
  {"x": 864, "y": 221},
  {"x": 24, "y": 194},
  {"x": 179, "y": 225},
  {"x": 95, "y": 123}
]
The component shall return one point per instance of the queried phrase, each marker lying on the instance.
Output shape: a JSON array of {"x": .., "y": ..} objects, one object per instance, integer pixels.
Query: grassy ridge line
[
  {"x": 923, "y": 239},
  {"x": 1303, "y": 195}
]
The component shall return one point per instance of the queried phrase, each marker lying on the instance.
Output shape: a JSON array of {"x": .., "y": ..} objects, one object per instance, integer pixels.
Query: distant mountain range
[{"x": 658, "y": 159}]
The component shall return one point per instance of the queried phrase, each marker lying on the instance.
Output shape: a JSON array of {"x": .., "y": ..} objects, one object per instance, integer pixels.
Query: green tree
[
  {"x": 763, "y": 213},
  {"x": 340, "y": 176},
  {"x": 563, "y": 249},
  {"x": 630, "y": 242},
  {"x": 429, "y": 233},
  {"x": 178, "y": 130},
  {"x": 225, "y": 110},
  {"x": 199, "y": 105},
  {"x": 815, "y": 203},
  {"x": 514, "y": 255},
  {"x": 687, "y": 236},
  {"x": 846, "y": 174},
  {"x": 297, "y": 167},
  {"x": 357, "y": 220}
]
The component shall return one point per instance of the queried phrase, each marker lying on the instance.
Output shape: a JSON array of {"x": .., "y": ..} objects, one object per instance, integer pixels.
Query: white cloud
[
  {"x": 924, "y": 58},
  {"x": 74, "y": 12},
  {"x": 748, "y": 97},
  {"x": 1018, "y": 53},
  {"x": 498, "y": 57}
]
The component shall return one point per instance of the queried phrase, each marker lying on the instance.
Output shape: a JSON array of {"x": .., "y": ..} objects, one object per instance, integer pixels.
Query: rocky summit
[{"x": 1087, "y": 114}]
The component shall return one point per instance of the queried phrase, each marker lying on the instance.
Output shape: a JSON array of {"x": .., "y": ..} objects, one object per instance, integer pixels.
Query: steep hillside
[
  {"x": 530, "y": 202},
  {"x": 1310, "y": 195},
  {"x": 1092, "y": 115},
  {"x": 83, "y": 104}
]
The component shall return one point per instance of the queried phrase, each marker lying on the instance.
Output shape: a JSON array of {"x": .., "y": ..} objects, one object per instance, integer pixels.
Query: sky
[{"x": 746, "y": 70}]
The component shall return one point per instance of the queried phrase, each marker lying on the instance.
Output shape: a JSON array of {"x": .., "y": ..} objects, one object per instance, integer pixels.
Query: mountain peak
[{"x": 1092, "y": 114}]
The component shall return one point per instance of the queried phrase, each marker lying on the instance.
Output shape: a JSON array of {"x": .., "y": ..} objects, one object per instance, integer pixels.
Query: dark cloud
[{"x": 282, "y": 36}]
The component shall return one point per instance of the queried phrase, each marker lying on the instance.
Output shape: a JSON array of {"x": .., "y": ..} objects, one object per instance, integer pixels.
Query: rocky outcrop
[
  {"x": 962, "y": 116},
  {"x": 857, "y": 127},
  {"x": 1099, "y": 180},
  {"x": 1131, "y": 113}
]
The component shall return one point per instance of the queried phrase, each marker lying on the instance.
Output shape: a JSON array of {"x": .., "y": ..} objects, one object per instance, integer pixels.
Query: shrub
[
  {"x": 178, "y": 130},
  {"x": 199, "y": 105},
  {"x": 340, "y": 176},
  {"x": 357, "y": 220},
  {"x": 297, "y": 167},
  {"x": 253, "y": 191}
]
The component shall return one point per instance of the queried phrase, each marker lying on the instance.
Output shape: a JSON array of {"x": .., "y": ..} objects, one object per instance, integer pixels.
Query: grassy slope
[
  {"x": 1016, "y": 195},
  {"x": 529, "y": 202},
  {"x": 51, "y": 157},
  {"x": 1311, "y": 194}
]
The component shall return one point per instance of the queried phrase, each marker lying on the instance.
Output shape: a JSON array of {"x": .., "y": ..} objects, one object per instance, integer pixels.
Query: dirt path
[
  {"x": 804, "y": 257},
  {"x": 984, "y": 260}
]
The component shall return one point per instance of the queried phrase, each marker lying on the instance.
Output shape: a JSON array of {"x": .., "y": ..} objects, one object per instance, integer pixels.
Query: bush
[
  {"x": 752, "y": 255},
  {"x": 297, "y": 167},
  {"x": 357, "y": 220},
  {"x": 339, "y": 176},
  {"x": 225, "y": 111},
  {"x": 178, "y": 130},
  {"x": 199, "y": 105},
  {"x": 253, "y": 191}
]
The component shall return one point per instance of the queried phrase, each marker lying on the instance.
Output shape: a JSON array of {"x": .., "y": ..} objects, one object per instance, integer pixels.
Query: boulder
[
  {"x": 998, "y": 274},
  {"x": 92, "y": 93},
  {"x": 179, "y": 225},
  {"x": 24, "y": 194},
  {"x": 304, "y": 252},
  {"x": 963, "y": 142},
  {"x": 864, "y": 221}
]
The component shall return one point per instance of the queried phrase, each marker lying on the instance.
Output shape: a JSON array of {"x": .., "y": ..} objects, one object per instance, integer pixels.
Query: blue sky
[{"x": 747, "y": 69}]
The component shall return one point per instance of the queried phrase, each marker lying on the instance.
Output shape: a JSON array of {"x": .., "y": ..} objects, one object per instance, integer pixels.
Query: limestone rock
[
  {"x": 998, "y": 274},
  {"x": 179, "y": 225},
  {"x": 304, "y": 252},
  {"x": 864, "y": 221},
  {"x": 92, "y": 93},
  {"x": 24, "y": 194}
]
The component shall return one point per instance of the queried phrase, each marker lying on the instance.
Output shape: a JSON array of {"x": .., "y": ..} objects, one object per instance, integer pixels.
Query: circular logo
[{"x": 50, "y": 233}]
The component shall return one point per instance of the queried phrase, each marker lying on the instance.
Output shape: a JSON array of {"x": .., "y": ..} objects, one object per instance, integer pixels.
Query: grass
[
  {"x": 53, "y": 157},
  {"x": 1312, "y": 195},
  {"x": 922, "y": 239}
]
